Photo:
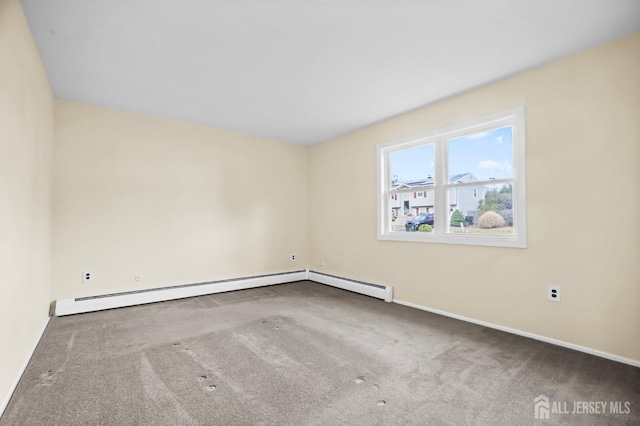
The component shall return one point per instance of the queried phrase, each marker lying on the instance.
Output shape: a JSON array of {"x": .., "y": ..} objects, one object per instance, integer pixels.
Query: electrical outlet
[
  {"x": 554, "y": 293},
  {"x": 87, "y": 276},
  {"x": 293, "y": 257}
]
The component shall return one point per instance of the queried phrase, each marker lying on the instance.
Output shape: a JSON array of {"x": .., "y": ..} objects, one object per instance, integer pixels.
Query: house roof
[
  {"x": 456, "y": 178},
  {"x": 428, "y": 181}
]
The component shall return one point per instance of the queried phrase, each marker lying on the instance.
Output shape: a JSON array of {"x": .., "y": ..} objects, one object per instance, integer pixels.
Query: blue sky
[
  {"x": 486, "y": 155},
  {"x": 414, "y": 163}
]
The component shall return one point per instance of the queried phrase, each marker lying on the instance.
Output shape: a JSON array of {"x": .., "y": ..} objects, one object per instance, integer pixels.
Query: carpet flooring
[{"x": 306, "y": 354}]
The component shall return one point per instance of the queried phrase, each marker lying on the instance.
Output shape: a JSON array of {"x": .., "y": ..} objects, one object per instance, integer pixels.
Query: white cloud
[
  {"x": 477, "y": 135},
  {"x": 499, "y": 139},
  {"x": 494, "y": 165}
]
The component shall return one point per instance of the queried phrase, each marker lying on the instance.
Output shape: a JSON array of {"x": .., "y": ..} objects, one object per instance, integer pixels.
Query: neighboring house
[
  {"x": 466, "y": 198},
  {"x": 409, "y": 198}
]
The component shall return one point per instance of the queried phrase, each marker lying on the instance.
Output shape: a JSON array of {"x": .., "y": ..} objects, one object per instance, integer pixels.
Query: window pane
[
  {"x": 491, "y": 213},
  {"x": 484, "y": 156},
  {"x": 411, "y": 188},
  {"x": 412, "y": 166}
]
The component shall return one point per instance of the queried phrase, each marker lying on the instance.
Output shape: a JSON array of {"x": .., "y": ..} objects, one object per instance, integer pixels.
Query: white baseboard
[
  {"x": 384, "y": 292},
  {"x": 13, "y": 387},
  {"x": 120, "y": 300},
  {"x": 601, "y": 354}
]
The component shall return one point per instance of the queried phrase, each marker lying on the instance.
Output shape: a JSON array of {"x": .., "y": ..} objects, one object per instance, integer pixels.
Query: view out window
[{"x": 471, "y": 176}]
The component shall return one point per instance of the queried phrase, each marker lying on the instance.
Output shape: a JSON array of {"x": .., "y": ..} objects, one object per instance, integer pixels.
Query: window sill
[{"x": 512, "y": 241}]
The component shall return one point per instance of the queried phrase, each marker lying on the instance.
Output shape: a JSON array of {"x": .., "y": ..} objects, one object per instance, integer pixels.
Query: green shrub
[
  {"x": 490, "y": 220},
  {"x": 457, "y": 218},
  {"x": 425, "y": 228}
]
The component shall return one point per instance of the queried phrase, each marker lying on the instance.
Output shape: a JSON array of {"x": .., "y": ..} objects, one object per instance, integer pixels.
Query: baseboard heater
[
  {"x": 380, "y": 291},
  {"x": 130, "y": 298}
]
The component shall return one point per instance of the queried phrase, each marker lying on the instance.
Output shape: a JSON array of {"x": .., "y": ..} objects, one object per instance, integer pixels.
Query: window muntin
[{"x": 463, "y": 171}]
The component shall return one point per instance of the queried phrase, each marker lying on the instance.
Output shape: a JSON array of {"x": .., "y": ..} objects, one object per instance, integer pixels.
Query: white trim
[
  {"x": 379, "y": 291},
  {"x": 23, "y": 368},
  {"x": 512, "y": 117},
  {"x": 601, "y": 354},
  {"x": 382, "y": 171},
  {"x": 463, "y": 239},
  {"x": 82, "y": 305}
]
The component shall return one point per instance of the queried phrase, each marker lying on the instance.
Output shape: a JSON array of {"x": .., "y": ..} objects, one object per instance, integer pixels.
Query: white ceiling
[{"x": 303, "y": 71}]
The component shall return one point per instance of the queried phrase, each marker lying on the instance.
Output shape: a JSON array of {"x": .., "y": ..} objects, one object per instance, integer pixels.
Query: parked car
[{"x": 412, "y": 225}]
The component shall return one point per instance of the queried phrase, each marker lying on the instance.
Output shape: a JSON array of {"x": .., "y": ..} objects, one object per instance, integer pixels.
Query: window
[{"x": 470, "y": 175}]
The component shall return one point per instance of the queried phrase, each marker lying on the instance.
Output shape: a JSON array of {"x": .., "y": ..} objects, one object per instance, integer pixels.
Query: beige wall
[
  {"x": 26, "y": 135},
  {"x": 174, "y": 202},
  {"x": 583, "y": 138}
]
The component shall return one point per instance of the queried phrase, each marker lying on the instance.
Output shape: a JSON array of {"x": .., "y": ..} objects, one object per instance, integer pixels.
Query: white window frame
[{"x": 513, "y": 117}]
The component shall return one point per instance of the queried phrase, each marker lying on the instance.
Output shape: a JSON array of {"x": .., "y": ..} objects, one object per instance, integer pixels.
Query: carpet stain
[
  {"x": 71, "y": 341},
  {"x": 165, "y": 403},
  {"x": 47, "y": 378},
  {"x": 262, "y": 347}
]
